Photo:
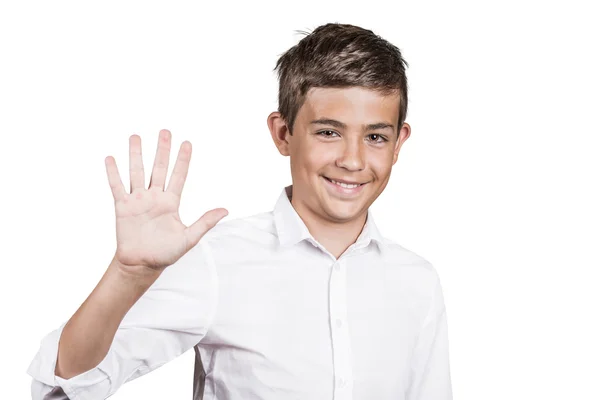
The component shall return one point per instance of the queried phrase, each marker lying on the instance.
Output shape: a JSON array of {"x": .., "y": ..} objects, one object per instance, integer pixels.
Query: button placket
[{"x": 342, "y": 362}]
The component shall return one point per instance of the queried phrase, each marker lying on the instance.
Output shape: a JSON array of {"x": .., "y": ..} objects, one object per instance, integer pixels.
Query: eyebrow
[{"x": 341, "y": 125}]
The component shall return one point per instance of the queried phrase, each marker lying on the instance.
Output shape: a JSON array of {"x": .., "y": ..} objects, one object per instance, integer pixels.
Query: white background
[{"x": 497, "y": 186}]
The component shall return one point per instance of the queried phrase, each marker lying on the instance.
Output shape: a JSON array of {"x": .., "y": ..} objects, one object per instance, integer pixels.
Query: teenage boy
[{"x": 307, "y": 301}]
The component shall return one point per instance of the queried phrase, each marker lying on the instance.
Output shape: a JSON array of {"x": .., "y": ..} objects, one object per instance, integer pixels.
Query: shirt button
[
  {"x": 341, "y": 382},
  {"x": 337, "y": 266},
  {"x": 338, "y": 323}
]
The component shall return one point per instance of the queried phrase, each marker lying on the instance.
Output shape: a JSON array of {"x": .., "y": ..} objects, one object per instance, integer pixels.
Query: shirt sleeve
[
  {"x": 171, "y": 317},
  {"x": 430, "y": 367}
]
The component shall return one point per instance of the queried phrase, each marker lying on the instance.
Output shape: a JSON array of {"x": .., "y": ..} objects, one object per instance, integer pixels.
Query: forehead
[{"x": 357, "y": 104}]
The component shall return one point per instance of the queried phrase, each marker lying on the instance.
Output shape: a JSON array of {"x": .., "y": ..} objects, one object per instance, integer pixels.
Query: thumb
[{"x": 205, "y": 223}]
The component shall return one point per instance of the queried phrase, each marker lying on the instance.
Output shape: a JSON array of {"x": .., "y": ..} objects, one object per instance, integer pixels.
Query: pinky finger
[{"x": 114, "y": 179}]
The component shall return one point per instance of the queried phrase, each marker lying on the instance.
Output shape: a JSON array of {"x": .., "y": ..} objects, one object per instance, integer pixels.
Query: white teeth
[{"x": 344, "y": 185}]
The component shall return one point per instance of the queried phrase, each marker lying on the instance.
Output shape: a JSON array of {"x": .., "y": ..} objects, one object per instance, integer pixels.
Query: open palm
[{"x": 149, "y": 230}]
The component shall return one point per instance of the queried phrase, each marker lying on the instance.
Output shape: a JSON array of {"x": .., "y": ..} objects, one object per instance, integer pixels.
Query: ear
[
  {"x": 403, "y": 134},
  {"x": 279, "y": 132}
]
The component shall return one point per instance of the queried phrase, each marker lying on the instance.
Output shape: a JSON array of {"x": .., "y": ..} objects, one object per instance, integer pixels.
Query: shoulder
[
  {"x": 410, "y": 267},
  {"x": 254, "y": 230},
  {"x": 403, "y": 257}
]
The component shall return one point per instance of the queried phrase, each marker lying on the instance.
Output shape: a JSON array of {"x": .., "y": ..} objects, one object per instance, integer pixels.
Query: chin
[{"x": 341, "y": 213}]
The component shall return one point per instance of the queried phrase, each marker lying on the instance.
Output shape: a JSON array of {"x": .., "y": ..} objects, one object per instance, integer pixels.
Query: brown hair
[{"x": 339, "y": 55}]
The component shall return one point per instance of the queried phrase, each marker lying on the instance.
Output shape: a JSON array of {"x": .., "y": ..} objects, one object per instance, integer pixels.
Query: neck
[{"x": 336, "y": 237}]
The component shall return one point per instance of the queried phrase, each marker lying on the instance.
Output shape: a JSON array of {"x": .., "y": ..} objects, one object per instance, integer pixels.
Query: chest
[{"x": 314, "y": 328}]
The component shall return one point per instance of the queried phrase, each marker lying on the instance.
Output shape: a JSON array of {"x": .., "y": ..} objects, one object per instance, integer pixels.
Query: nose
[{"x": 352, "y": 157}]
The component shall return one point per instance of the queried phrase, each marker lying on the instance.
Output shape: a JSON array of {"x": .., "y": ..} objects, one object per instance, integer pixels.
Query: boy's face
[{"x": 332, "y": 140}]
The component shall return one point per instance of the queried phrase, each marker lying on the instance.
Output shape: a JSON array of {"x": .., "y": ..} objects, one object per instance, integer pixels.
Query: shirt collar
[{"x": 291, "y": 229}]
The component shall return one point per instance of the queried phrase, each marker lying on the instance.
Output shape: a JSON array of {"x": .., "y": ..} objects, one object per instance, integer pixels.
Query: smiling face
[{"x": 342, "y": 137}]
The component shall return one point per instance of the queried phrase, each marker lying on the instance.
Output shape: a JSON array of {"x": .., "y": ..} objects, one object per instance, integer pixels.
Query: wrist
[{"x": 137, "y": 275}]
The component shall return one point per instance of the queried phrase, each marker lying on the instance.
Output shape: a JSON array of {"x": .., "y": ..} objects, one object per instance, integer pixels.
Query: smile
[
  {"x": 346, "y": 188},
  {"x": 344, "y": 184}
]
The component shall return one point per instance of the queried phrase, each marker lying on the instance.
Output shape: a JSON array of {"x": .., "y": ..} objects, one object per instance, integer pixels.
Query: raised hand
[{"x": 149, "y": 231}]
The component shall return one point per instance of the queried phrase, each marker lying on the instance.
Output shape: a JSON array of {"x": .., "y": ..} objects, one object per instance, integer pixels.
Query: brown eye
[
  {"x": 375, "y": 136},
  {"x": 327, "y": 133}
]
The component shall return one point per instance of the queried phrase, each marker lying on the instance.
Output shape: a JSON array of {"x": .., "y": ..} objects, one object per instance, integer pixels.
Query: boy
[{"x": 307, "y": 301}]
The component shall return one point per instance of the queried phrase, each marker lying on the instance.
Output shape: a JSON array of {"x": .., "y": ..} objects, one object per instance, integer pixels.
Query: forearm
[{"x": 88, "y": 335}]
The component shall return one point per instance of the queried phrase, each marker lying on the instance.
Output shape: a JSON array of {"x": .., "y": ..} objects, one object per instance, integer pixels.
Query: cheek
[
  {"x": 307, "y": 162},
  {"x": 317, "y": 157},
  {"x": 381, "y": 163}
]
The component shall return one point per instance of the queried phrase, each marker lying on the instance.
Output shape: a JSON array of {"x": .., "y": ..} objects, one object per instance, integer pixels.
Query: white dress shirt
[{"x": 273, "y": 315}]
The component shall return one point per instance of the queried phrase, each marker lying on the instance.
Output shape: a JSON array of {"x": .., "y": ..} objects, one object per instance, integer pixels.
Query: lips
[
  {"x": 345, "y": 192},
  {"x": 348, "y": 182}
]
